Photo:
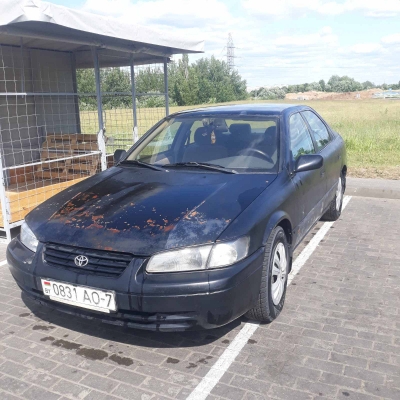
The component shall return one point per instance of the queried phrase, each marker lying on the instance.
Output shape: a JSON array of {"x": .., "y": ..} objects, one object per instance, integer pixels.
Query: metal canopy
[{"x": 47, "y": 26}]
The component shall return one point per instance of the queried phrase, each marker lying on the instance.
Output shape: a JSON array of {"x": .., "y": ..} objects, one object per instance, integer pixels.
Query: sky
[{"x": 278, "y": 42}]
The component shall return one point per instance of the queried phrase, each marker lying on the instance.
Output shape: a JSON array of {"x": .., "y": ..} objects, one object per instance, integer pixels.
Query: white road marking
[
  {"x": 3, "y": 262},
  {"x": 203, "y": 389}
]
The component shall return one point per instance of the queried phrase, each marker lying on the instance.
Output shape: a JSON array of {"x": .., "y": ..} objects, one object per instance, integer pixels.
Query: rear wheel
[
  {"x": 335, "y": 208},
  {"x": 274, "y": 278}
]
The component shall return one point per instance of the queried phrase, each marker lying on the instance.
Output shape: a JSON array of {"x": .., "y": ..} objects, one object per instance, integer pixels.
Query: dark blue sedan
[{"x": 193, "y": 227}]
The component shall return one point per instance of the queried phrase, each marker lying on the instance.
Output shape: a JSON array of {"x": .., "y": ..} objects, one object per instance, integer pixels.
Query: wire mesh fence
[
  {"x": 43, "y": 149},
  {"x": 50, "y": 125},
  {"x": 123, "y": 111}
]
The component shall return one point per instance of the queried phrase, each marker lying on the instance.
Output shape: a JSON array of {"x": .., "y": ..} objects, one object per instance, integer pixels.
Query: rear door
[
  {"x": 325, "y": 147},
  {"x": 310, "y": 185}
]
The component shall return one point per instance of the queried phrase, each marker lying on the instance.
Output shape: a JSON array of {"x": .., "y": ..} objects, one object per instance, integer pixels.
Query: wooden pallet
[
  {"x": 30, "y": 186},
  {"x": 63, "y": 146},
  {"x": 24, "y": 197}
]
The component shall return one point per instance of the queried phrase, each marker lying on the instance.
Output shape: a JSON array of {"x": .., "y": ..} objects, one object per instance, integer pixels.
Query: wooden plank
[
  {"x": 22, "y": 174},
  {"x": 86, "y": 137},
  {"x": 85, "y": 146},
  {"x": 47, "y": 154},
  {"x": 56, "y": 164},
  {"x": 82, "y": 167},
  {"x": 89, "y": 159}
]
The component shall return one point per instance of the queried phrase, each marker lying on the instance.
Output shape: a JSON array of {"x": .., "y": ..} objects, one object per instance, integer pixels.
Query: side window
[
  {"x": 196, "y": 124},
  {"x": 300, "y": 139},
  {"x": 318, "y": 129}
]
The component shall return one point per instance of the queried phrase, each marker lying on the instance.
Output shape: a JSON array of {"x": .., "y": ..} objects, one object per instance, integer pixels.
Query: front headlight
[
  {"x": 200, "y": 257},
  {"x": 28, "y": 238},
  {"x": 228, "y": 253}
]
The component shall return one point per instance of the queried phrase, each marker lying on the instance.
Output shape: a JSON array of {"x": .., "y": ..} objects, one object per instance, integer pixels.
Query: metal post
[
  {"x": 100, "y": 135},
  {"x": 75, "y": 90},
  {"x": 23, "y": 66},
  {"x": 5, "y": 206},
  {"x": 133, "y": 84},
  {"x": 166, "y": 86},
  {"x": 98, "y": 88}
]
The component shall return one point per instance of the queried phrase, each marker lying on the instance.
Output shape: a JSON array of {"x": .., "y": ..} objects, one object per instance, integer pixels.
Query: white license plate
[{"x": 80, "y": 296}]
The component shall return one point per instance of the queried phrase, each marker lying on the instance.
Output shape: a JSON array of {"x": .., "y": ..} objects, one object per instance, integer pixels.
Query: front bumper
[{"x": 158, "y": 302}]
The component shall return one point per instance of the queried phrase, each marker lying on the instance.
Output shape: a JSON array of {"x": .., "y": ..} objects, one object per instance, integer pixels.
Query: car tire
[
  {"x": 274, "y": 278},
  {"x": 335, "y": 207}
]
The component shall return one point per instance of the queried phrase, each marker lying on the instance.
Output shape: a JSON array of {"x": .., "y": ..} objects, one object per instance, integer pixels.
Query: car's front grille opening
[{"x": 96, "y": 262}]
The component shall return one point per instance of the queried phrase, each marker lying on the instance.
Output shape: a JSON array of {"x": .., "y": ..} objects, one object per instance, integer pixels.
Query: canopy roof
[{"x": 52, "y": 27}]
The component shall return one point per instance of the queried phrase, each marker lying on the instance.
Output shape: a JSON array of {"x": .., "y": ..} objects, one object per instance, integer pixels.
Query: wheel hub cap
[{"x": 279, "y": 272}]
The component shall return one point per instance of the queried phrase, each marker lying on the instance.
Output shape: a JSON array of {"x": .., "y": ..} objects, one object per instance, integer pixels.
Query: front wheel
[
  {"x": 274, "y": 278},
  {"x": 335, "y": 208}
]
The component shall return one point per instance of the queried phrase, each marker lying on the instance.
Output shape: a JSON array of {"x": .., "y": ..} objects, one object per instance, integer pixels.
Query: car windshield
[{"x": 241, "y": 144}]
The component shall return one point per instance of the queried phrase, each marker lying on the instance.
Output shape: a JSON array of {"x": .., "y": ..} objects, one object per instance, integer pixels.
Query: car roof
[{"x": 244, "y": 109}]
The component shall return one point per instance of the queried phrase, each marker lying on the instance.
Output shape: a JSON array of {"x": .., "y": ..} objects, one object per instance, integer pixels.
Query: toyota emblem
[{"x": 81, "y": 261}]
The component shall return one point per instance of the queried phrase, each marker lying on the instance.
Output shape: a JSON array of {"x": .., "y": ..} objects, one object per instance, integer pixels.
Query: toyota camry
[{"x": 191, "y": 228}]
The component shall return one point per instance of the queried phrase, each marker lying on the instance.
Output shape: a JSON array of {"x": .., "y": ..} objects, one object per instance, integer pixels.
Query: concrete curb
[{"x": 378, "y": 188}]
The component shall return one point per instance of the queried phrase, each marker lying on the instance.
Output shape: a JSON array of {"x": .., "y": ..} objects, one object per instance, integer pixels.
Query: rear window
[{"x": 318, "y": 129}]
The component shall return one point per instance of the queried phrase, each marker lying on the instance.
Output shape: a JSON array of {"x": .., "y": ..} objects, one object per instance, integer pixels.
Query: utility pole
[{"x": 230, "y": 53}]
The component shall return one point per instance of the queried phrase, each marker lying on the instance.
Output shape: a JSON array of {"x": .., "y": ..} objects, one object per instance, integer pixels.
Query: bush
[
  {"x": 150, "y": 101},
  {"x": 273, "y": 93}
]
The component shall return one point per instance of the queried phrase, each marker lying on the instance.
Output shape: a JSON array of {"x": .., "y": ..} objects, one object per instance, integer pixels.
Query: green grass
[{"x": 370, "y": 128}]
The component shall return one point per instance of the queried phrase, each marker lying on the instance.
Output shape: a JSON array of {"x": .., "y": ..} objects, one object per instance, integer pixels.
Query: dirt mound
[{"x": 314, "y": 95}]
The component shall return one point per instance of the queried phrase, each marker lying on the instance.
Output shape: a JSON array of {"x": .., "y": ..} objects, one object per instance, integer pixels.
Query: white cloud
[
  {"x": 286, "y": 56},
  {"x": 366, "y": 48},
  {"x": 391, "y": 39},
  {"x": 179, "y": 13},
  {"x": 375, "y": 8},
  {"x": 212, "y": 21},
  {"x": 322, "y": 38},
  {"x": 288, "y": 8}
]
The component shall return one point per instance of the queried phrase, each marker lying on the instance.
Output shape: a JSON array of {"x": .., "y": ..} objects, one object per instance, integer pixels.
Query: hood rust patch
[{"x": 147, "y": 215}]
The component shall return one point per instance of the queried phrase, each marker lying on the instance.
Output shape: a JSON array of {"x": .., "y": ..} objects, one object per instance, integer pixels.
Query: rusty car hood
[{"x": 141, "y": 211}]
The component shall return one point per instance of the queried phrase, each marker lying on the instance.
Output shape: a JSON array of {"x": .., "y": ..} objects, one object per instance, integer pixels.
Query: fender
[{"x": 273, "y": 221}]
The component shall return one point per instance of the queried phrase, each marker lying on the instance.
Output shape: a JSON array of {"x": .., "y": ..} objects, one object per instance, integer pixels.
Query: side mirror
[
  {"x": 309, "y": 162},
  {"x": 119, "y": 155}
]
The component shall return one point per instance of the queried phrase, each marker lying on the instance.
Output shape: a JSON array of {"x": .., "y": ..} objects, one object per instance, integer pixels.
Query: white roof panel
[{"x": 53, "y": 27}]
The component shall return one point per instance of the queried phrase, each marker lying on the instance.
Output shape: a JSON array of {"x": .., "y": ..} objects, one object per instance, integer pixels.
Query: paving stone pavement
[{"x": 337, "y": 338}]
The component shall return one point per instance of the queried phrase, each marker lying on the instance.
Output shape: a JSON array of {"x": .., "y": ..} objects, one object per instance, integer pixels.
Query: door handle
[
  {"x": 339, "y": 156},
  {"x": 322, "y": 173}
]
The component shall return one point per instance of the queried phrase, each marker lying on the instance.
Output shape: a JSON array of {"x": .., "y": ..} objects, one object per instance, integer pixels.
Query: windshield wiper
[
  {"x": 142, "y": 164},
  {"x": 212, "y": 167}
]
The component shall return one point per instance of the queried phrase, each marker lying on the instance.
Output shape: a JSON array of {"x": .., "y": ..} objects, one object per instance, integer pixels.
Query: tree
[
  {"x": 367, "y": 85},
  {"x": 322, "y": 84},
  {"x": 313, "y": 86},
  {"x": 86, "y": 84},
  {"x": 116, "y": 80},
  {"x": 272, "y": 93},
  {"x": 343, "y": 84},
  {"x": 208, "y": 80},
  {"x": 184, "y": 82}
]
